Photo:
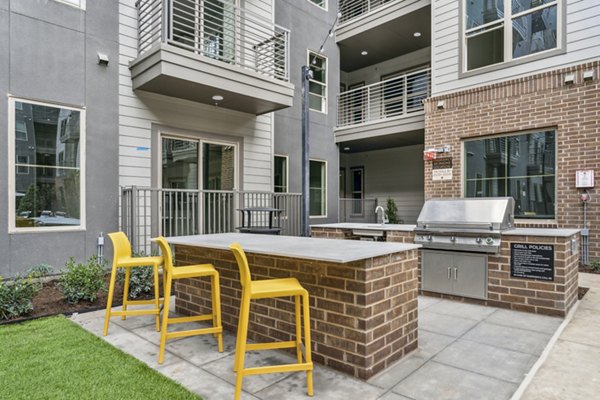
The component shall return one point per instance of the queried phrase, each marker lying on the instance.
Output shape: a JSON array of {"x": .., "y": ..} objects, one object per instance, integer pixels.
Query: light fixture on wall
[
  {"x": 441, "y": 104},
  {"x": 102, "y": 59},
  {"x": 569, "y": 79},
  {"x": 588, "y": 75}
]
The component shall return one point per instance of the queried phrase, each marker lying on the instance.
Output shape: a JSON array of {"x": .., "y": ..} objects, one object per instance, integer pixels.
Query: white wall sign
[
  {"x": 441, "y": 169},
  {"x": 584, "y": 178}
]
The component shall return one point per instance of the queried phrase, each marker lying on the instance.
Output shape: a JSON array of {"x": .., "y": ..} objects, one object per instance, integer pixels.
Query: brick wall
[
  {"x": 363, "y": 314},
  {"x": 540, "y": 101}
]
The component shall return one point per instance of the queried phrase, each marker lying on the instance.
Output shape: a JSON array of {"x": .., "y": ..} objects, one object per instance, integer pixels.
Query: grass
[{"x": 53, "y": 358}]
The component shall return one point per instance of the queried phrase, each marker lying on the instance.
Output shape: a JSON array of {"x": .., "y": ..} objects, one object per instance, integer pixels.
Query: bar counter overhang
[{"x": 363, "y": 295}]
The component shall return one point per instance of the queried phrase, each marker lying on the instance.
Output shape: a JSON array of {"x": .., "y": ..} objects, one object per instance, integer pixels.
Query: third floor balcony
[
  {"x": 393, "y": 105},
  {"x": 199, "y": 49}
]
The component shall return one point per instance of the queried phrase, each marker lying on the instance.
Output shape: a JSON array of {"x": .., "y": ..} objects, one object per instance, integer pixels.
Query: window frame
[
  {"x": 287, "y": 172},
  {"x": 310, "y": 54},
  {"x": 561, "y": 38},
  {"x": 80, "y": 3},
  {"x": 361, "y": 170},
  {"x": 12, "y": 168},
  {"x": 325, "y": 184},
  {"x": 518, "y": 220},
  {"x": 324, "y": 7}
]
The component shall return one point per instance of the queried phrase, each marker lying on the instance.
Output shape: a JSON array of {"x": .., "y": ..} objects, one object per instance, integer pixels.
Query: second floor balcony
[
  {"x": 391, "y": 106},
  {"x": 200, "y": 49}
]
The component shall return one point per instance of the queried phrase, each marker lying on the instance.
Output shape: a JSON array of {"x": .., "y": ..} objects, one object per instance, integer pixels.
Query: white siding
[
  {"x": 583, "y": 44},
  {"x": 397, "y": 173},
  {"x": 138, "y": 111}
]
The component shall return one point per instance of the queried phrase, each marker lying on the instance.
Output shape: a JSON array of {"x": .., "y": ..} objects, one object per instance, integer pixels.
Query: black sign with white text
[{"x": 532, "y": 261}]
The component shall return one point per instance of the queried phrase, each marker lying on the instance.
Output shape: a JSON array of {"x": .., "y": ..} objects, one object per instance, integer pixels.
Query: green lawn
[{"x": 53, "y": 358}]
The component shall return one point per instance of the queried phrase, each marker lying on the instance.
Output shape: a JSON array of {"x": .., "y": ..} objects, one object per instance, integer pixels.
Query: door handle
[
  {"x": 449, "y": 273},
  {"x": 455, "y": 273}
]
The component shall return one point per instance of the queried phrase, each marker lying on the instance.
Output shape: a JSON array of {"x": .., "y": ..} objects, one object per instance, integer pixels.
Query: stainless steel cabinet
[{"x": 455, "y": 273}]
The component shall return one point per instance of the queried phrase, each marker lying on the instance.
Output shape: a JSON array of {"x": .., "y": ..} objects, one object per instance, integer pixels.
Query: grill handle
[
  {"x": 455, "y": 273},
  {"x": 449, "y": 273}
]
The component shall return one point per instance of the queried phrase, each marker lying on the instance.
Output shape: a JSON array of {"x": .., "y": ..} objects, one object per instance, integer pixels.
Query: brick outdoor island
[{"x": 363, "y": 295}]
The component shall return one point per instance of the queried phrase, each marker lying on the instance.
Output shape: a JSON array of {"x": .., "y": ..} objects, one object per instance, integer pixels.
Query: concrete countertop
[
  {"x": 331, "y": 250},
  {"x": 541, "y": 232},
  {"x": 365, "y": 226}
]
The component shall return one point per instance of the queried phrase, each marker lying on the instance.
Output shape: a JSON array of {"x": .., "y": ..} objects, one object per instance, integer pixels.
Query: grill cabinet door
[
  {"x": 469, "y": 274},
  {"x": 435, "y": 275}
]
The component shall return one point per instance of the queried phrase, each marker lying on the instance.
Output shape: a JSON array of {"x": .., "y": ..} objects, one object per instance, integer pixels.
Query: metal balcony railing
[
  {"x": 395, "y": 97},
  {"x": 148, "y": 212},
  {"x": 351, "y": 9},
  {"x": 217, "y": 29}
]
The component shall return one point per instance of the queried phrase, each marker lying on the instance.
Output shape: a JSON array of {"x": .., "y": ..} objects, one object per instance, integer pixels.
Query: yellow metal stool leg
[
  {"x": 216, "y": 289},
  {"x": 239, "y": 334},
  {"x": 298, "y": 329},
  {"x": 111, "y": 292},
  {"x": 126, "y": 291},
  {"x": 307, "y": 344},
  {"x": 156, "y": 298},
  {"x": 241, "y": 345},
  {"x": 165, "y": 321}
]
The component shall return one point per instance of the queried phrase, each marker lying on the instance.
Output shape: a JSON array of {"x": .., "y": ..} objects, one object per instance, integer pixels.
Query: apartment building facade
[{"x": 59, "y": 151}]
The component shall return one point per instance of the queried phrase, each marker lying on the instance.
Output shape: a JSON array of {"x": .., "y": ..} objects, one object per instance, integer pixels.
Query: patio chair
[
  {"x": 190, "y": 271},
  {"x": 263, "y": 289},
  {"x": 122, "y": 259}
]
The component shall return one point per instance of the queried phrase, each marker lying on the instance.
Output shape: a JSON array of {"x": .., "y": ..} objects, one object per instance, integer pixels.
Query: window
[
  {"x": 357, "y": 182},
  {"x": 280, "y": 174},
  {"x": 46, "y": 177},
  {"x": 521, "y": 166},
  {"x": 318, "y": 84},
  {"x": 320, "y": 3},
  {"x": 318, "y": 188},
  {"x": 76, "y": 3},
  {"x": 503, "y": 30}
]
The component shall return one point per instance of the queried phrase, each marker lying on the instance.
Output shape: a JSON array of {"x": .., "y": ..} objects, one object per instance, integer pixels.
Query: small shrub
[
  {"x": 141, "y": 280},
  {"x": 16, "y": 296},
  {"x": 82, "y": 281},
  {"x": 40, "y": 270},
  {"x": 392, "y": 211}
]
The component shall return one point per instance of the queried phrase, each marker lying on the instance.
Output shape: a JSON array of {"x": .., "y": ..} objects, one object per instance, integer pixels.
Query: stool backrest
[
  {"x": 242, "y": 262},
  {"x": 122, "y": 247},
  {"x": 165, "y": 249}
]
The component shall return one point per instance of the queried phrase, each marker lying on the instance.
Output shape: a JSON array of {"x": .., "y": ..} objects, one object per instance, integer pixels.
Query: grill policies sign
[{"x": 532, "y": 261}]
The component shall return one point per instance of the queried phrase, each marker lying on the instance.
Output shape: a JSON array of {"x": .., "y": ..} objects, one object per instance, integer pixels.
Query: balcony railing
[
  {"x": 395, "y": 97},
  {"x": 218, "y": 30},
  {"x": 148, "y": 212},
  {"x": 351, "y": 9}
]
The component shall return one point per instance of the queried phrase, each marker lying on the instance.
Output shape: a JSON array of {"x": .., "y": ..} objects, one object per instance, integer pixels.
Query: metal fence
[
  {"x": 218, "y": 30},
  {"x": 358, "y": 210},
  {"x": 351, "y": 9},
  {"x": 398, "y": 96},
  {"x": 149, "y": 212}
]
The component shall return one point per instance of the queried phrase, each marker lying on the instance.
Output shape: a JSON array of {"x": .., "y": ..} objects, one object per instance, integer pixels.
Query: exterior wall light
[
  {"x": 441, "y": 104},
  {"x": 102, "y": 59},
  {"x": 569, "y": 79},
  {"x": 588, "y": 75}
]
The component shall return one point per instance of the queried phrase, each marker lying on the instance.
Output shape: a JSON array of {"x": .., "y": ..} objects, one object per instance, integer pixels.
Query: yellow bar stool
[
  {"x": 122, "y": 259},
  {"x": 286, "y": 287},
  {"x": 190, "y": 271}
]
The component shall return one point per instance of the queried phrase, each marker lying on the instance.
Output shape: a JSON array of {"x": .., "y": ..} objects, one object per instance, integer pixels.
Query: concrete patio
[{"x": 465, "y": 352}]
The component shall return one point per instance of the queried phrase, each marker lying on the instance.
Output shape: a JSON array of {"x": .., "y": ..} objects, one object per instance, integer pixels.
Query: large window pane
[
  {"x": 47, "y": 166},
  {"x": 534, "y": 32},
  {"x": 280, "y": 175},
  {"x": 219, "y": 166},
  {"x": 318, "y": 190},
  {"x": 485, "y": 48},
  {"x": 179, "y": 164},
  {"x": 521, "y": 166},
  {"x": 318, "y": 84},
  {"x": 480, "y": 12},
  {"x": 524, "y": 5}
]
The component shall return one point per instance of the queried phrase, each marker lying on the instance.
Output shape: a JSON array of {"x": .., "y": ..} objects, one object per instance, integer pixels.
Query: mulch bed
[
  {"x": 50, "y": 301},
  {"x": 582, "y": 291},
  {"x": 589, "y": 270}
]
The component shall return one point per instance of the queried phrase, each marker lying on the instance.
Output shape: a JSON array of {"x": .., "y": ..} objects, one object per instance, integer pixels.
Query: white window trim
[
  {"x": 326, "y": 188},
  {"x": 287, "y": 172},
  {"x": 326, "y": 97},
  {"x": 521, "y": 221},
  {"x": 324, "y": 7},
  {"x": 80, "y": 5},
  {"x": 12, "y": 169},
  {"x": 509, "y": 61}
]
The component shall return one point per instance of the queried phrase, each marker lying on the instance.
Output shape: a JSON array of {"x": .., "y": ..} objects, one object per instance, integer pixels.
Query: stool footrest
[
  {"x": 142, "y": 302},
  {"x": 195, "y": 318},
  {"x": 134, "y": 312},
  {"x": 193, "y": 332},
  {"x": 273, "y": 369},
  {"x": 271, "y": 346}
]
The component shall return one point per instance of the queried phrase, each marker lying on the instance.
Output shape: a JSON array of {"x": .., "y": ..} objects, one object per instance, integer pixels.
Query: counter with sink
[{"x": 402, "y": 233}]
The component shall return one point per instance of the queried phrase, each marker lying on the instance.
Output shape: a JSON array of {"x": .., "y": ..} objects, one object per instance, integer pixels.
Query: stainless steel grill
[{"x": 473, "y": 225}]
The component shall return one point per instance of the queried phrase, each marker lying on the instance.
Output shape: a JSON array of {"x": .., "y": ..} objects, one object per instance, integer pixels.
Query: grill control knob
[
  {"x": 453, "y": 238},
  {"x": 429, "y": 237},
  {"x": 489, "y": 240},
  {"x": 478, "y": 240}
]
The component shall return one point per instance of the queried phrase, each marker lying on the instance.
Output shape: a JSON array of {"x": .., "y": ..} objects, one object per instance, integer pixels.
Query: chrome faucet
[{"x": 384, "y": 220}]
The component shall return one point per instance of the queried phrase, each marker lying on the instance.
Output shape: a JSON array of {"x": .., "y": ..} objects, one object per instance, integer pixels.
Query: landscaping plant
[
  {"x": 41, "y": 270},
  {"x": 141, "y": 280},
  {"x": 595, "y": 266},
  {"x": 392, "y": 211},
  {"x": 82, "y": 281},
  {"x": 16, "y": 296}
]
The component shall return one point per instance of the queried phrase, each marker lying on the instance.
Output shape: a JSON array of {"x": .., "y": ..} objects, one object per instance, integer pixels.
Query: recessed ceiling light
[
  {"x": 364, "y": 52},
  {"x": 417, "y": 34},
  {"x": 217, "y": 97},
  {"x": 346, "y": 148}
]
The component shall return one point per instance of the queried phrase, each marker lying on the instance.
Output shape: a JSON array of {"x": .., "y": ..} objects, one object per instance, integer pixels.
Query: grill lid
[{"x": 489, "y": 214}]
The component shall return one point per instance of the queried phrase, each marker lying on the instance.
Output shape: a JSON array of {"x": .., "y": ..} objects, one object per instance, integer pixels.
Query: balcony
[
  {"x": 391, "y": 106},
  {"x": 196, "y": 49}
]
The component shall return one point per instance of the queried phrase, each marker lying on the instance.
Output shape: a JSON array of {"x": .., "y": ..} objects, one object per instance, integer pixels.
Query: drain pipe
[
  {"x": 585, "y": 232},
  {"x": 100, "y": 248}
]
